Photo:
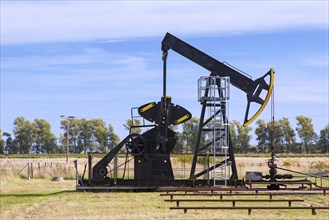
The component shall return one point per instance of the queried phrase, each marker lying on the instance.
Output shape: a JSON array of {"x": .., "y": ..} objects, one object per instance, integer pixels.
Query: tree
[
  {"x": 64, "y": 138},
  {"x": 45, "y": 140},
  {"x": 243, "y": 138},
  {"x": 74, "y": 135},
  {"x": 99, "y": 136},
  {"x": 233, "y": 135},
  {"x": 189, "y": 135},
  {"x": 24, "y": 132},
  {"x": 86, "y": 135},
  {"x": 305, "y": 131},
  {"x": 71, "y": 126},
  {"x": 275, "y": 135},
  {"x": 132, "y": 126},
  {"x": 62, "y": 143},
  {"x": 180, "y": 145},
  {"x": 114, "y": 139},
  {"x": 289, "y": 140},
  {"x": 10, "y": 146},
  {"x": 84, "y": 130},
  {"x": 2, "y": 143},
  {"x": 323, "y": 143},
  {"x": 262, "y": 135}
]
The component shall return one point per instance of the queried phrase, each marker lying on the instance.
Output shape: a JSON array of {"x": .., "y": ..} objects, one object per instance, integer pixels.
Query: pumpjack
[{"x": 151, "y": 150}]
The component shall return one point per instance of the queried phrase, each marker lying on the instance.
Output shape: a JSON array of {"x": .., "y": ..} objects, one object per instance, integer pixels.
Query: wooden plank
[
  {"x": 214, "y": 194},
  {"x": 249, "y": 208},
  {"x": 233, "y": 189},
  {"x": 245, "y": 194},
  {"x": 207, "y": 189},
  {"x": 230, "y": 200},
  {"x": 249, "y": 192},
  {"x": 115, "y": 188},
  {"x": 234, "y": 200}
]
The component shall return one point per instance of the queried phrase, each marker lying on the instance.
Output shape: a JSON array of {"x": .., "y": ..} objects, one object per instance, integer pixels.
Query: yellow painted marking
[
  {"x": 167, "y": 96},
  {"x": 182, "y": 118},
  {"x": 265, "y": 102},
  {"x": 147, "y": 107}
]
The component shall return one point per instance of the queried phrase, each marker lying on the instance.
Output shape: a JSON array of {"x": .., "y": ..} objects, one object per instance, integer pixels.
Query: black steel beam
[{"x": 237, "y": 79}]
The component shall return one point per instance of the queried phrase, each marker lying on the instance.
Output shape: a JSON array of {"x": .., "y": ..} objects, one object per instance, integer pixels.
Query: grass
[
  {"x": 12, "y": 169},
  {"x": 44, "y": 199},
  {"x": 41, "y": 198}
]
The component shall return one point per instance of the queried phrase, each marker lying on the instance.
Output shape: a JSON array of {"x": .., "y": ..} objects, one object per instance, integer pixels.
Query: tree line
[
  {"x": 281, "y": 131},
  {"x": 82, "y": 135}
]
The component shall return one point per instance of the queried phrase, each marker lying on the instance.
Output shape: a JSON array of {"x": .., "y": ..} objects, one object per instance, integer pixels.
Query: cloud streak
[
  {"x": 90, "y": 66},
  {"x": 49, "y": 21}
]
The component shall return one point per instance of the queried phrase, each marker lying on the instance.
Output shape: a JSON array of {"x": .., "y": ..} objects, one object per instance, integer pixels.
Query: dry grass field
[
  {"x": 41, "y": 198},
  {"x": 44, "y": 199}
]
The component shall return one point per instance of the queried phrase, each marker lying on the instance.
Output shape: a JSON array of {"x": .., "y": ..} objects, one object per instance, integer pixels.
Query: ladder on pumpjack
[{"x": 213, "y": 91}]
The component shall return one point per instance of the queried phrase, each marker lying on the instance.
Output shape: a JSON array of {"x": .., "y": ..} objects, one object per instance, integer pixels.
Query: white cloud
[
  {"x": 51, "y": 21},
  {"x": 317, "y": 61},
  {"x": 299, "y": 88},
  {"x": 92, "y": 65}
]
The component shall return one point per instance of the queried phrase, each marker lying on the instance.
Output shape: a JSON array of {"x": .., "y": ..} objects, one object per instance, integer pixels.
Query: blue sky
[{"x": 99, "y": 59}]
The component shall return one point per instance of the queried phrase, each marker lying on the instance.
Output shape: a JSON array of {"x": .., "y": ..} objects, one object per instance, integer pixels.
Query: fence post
[
  {"x": 31, "y": 170},
  {"x": 28, "y": 170}
]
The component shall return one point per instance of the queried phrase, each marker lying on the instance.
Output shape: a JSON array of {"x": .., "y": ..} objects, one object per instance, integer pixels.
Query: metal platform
[{"x": 116, "y": 188}]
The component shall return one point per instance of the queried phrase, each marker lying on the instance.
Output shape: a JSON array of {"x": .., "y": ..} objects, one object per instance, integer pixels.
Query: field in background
[
  {"x": 41, "y": 198},
  {"x": 56, "y": 156},
  {"x": 46, "y": 168}
]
